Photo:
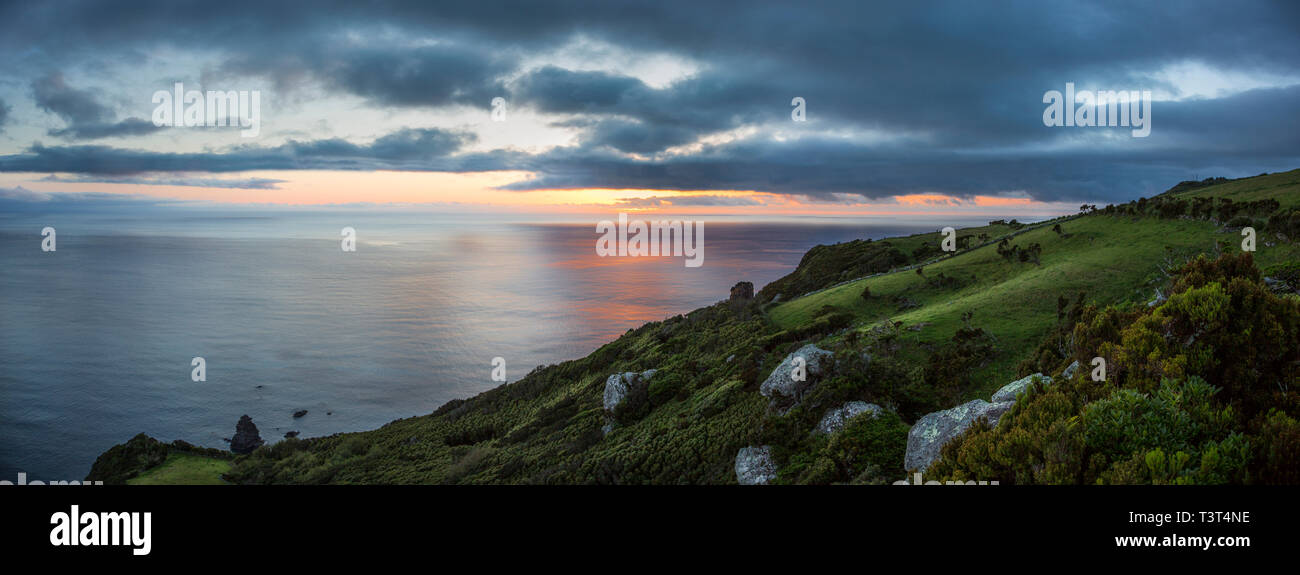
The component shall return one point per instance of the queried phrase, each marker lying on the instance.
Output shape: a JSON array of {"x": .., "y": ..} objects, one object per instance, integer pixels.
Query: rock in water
[
  {"x": 742, "y": 291},
  {"x": 784, "y": 389},
  {"x": 754, "y": 465},
  {"x": 246, "y": 438},
  {"x": 837, "y": 418},
  {"x": 299, "y": 413},
  {"x": 1011, "y": 390},
  {"x": 619, "y": 384},
  {"x": 934, "y": 430}
]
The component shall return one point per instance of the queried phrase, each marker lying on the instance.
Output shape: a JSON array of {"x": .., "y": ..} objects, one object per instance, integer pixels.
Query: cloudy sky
[{"x": 645, "y": 105}]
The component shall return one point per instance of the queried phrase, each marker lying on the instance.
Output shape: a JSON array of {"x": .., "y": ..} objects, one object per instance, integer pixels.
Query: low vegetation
[{"x": 1200, "y": 351}]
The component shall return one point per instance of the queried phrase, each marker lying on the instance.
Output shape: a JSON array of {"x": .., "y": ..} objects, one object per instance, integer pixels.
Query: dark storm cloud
[
  {"x": 410, "y": 149},
  {"x": 233, "y": 184},
  {"x": 423, "y": 76},
  {"x": 957, "y": 87},
  {"x": 4, "y": 115},
  {"x": 86, "y": 118}
]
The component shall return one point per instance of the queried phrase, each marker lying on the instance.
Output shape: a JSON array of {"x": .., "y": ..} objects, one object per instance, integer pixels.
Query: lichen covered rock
[
  {"x": 617, "y": 386},
  {"x": 837, "y": 418},
  {"x": 784, "y": 388},
  {"x": 1011, "y": 390},
  {"x": 754, "y": 465},
  {"x": 927, "y": 438}
]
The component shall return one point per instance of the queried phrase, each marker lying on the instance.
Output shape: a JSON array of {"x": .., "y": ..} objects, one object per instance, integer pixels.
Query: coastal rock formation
[
  {"x": 617, "y": 386},
  {"x": 743, "y": 291},
  {"x": 1011, "y": 390},
  {"x": 934, "y": 430},
  {"x": 754, "y": 465},
  {"x": 784, "y": 388},
  {"x": 246, "y": 438},
  {"x": 837, "y": 418}
]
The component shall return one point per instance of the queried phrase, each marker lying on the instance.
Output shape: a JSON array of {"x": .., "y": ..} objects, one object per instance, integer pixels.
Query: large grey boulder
[
  {"x": 934, "y": 430},
  {"x": 617, "y": 386},
  {"x": 1011, "y": 390},
  {"x": 837, "y": 418},
  {"x": 754, "y": 465},
  {"x": 783, "y": 388}
]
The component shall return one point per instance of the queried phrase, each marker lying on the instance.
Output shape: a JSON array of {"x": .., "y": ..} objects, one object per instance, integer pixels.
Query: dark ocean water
[{"x": 96, "y": 338}]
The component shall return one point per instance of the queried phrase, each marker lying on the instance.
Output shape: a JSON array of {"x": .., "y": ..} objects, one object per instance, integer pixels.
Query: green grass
[
  {"x": 1112, "y": 259},
  {"x": 1282, "y": 186},
  {"x": 184, "y": 469}
]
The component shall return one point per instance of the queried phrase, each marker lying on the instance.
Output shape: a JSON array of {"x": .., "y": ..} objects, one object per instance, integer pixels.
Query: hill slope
[{"x": 924, "y": 339}]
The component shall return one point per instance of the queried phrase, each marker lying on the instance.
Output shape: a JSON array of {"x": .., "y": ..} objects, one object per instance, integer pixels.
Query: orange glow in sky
[{"x": 481, "y": 191}]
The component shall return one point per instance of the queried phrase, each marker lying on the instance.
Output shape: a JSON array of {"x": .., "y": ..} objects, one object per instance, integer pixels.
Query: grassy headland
[{"x": 916, "y": 330}]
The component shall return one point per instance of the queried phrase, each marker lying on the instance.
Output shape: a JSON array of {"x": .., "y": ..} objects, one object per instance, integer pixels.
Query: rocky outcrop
[
  {"x": 743, "y": 291},
  {"x": 617, "y": 386},
  {"x": 784, "y": 388},
  {"x": 246, "y": 438},
  {"x": 837, "y": 418},
  {"x": 1070, "y": 371},
  {"x": 617, "y": 389},
  {"x": 930, "y": 433},
  {"x": 934, "y": 430},
  {"x": 754, "y": 465},
  {"x": 1011, "y": 390}
]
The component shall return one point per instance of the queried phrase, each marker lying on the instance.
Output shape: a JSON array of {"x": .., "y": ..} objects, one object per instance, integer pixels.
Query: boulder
[
  {"x": 783, "y": 388},
  {"x": 1011, "y": 390},
  {"x": 837, "y": 418},
  {"x": 618, "y": 385},
  {"x": 927, "y": 438},
  {"x": 290, "y": 434},
  {"x": 246, "y": 438},
  {"x": 1070, "y": 371},
  {"x": 742, "y": 291},
  {"x": 299, "y": 413},
  {"x": 754, "y": 465}
]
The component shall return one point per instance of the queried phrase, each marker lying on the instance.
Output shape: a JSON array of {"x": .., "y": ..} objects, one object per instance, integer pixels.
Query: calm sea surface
[{"x": 96, "y": 338}]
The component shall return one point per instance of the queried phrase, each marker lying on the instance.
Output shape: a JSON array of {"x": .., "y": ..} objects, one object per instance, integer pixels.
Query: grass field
[
  {"x": 1282, "y": 186},
  {"x": 1112, "y": 259},
  {"x": 184, "y": 469}
]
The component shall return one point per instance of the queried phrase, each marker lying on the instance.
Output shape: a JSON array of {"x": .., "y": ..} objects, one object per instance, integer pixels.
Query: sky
[{"x": 906, "y": 108}]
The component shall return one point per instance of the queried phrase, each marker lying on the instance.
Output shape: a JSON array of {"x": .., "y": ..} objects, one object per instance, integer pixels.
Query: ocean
[{"x": 97, "y": 337}]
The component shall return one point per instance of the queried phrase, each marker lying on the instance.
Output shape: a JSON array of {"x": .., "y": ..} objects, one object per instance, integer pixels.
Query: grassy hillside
[
  {"x": 184, "y": 469},
  {"x": 1281, "y": 187},
  {"x": 935, "y": 331}
]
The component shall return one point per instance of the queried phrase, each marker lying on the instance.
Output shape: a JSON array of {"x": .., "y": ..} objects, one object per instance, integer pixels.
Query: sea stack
[{"x": 246, "y": 438}]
